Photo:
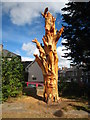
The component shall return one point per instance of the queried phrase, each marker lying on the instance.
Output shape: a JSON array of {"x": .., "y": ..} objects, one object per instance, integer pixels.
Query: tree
[
  {"x": 77, "y": 31},
  {"x": 48, "y": 59},
  {"x": 12, "y": 77}
]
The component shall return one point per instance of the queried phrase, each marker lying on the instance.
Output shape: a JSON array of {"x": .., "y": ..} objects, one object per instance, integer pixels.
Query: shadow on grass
[
  {"x": 32, "y": 92},
  {"x": 58, "y": 113},
  {"x": 80, "y": 108},
  {"x": 75, "y": 98}
]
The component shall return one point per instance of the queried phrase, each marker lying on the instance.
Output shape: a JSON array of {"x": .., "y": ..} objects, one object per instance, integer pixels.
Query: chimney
[
  {"x": 62, "y": 68},
  {"x": 1, "y": 47}
]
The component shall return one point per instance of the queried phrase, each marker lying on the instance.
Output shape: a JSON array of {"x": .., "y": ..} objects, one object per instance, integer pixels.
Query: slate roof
[
  {"x": 11, "y": 54},
  {"x": 26, "y": 69},
  {"x": 26, "y": 63}
]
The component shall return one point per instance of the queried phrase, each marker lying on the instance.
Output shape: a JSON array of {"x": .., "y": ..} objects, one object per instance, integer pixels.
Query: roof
[
  {"x": 8, "y": 53},
  {"x": 26, "y": 63},
  {"x": 29, "y": 65},
  {"x": 68, "y": 70}
]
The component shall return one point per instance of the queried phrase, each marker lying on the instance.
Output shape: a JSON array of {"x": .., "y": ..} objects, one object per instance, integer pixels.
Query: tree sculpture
[{"x": 48, "y": 59}]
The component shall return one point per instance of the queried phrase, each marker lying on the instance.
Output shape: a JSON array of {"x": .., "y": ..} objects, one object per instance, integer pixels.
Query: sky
[{"x": 22, "y": 22}]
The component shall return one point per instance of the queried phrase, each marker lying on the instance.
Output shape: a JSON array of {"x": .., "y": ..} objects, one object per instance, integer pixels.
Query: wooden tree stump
[{"x": 48, "y": 59}]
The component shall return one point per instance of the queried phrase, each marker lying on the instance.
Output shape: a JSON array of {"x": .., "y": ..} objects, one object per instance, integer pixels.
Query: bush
[
  {"x": 12, "y": 77},
  {"x": 73, "y": 89}
]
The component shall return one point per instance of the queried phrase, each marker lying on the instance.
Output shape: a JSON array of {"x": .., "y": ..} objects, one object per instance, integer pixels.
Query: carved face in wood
[{"x": 51, "y": 80}]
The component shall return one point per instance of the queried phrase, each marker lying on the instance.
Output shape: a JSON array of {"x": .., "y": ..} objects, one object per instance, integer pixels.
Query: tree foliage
[
  {"x": 77, "y": 30},
  {"x": 12, "y": 77}
]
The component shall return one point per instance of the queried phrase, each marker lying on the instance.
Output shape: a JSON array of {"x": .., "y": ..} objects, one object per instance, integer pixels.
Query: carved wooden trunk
[{"x": 48, "y": 59}]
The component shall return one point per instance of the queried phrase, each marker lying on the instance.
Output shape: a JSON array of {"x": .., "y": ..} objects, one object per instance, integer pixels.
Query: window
[
  {"x": 86, "y": 73},
  {"x": 72, "y": 73},
  {"x": 75, "y": 79},
  {"x": 33, "y": 77},
  {"x": 82, "y": 73},
  {"x": 81, "y": 79},
  {"x": 87, "y": 80},
  {"x": 76, "y": 73}
]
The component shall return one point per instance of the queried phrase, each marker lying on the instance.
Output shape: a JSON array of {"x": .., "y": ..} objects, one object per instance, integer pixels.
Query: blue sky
[{"x": 22, "y": 22}]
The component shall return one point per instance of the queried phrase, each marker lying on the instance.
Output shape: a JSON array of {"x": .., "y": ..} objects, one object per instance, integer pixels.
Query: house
[
  {"x": 0, "y": 68},
  {"x": 7, "y": 53},
  {"x": 25, "y": 63},
  {"x": 1, "y": 47},
  {"x": 74, "y": 73},
  {"x": 34, "y": 72}
]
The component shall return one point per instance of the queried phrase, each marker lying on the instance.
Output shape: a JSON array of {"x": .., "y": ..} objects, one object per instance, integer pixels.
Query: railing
[{"x": 34, "y": 83}]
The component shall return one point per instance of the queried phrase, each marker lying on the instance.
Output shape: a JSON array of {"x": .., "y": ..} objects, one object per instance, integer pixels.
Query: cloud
[
  {"x": 30, "y": 48},
  {"x": 27, "y": 59},
  {"x": 63, "y": 62},
  {"x": 22, "y": 13}
]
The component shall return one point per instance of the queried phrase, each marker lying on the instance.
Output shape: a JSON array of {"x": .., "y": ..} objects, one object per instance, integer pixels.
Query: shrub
[
  {"x": 12, "y": 77},
  {"x": 73, "y": 89}
]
